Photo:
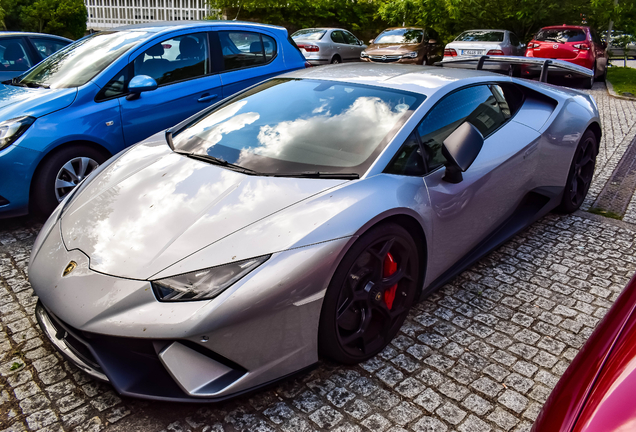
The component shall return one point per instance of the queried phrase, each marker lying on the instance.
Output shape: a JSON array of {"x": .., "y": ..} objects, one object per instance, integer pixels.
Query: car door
[
  {"x": 340, "y": 44},
  {"x": 355, "y": 46},
  {"x": 15, "y": 57},
  {"x": 246, "y": 58},
  {"x": 463, "y": 214},
  {"x": 600, "y": 53},
  {"x": 186, "y": 84},
  {"x": 515, "y": 44}
]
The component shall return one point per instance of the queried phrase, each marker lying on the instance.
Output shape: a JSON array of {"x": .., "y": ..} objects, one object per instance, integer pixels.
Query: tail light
[
  {"x": 495, "y": 52},
  {"x": 307, "y": 64},
  {"x": 308, "y": 47},
  {"x": 582, "y": 46},
  {"x": 533, "y": 45},
  {"x": 449, "y": 52}
]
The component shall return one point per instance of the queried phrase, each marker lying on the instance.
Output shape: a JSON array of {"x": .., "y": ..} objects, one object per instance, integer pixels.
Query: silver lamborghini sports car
[{"x": 300, "y": 218}]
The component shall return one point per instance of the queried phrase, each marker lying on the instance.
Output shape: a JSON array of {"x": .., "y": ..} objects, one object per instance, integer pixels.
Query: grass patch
[
  {"x": 623, "y": 79},
  {"x": 606, "y": 213}
]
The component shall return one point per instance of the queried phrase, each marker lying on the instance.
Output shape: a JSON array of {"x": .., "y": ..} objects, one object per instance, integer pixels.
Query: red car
[
  {"x": 596, "y": 393},
  {"x": 576, "y": 44}
]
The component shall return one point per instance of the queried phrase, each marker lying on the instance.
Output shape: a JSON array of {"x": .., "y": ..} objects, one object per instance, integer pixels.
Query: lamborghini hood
[{"x": 151, "y": 208}]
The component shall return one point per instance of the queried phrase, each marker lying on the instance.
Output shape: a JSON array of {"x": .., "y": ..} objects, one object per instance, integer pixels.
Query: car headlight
[
  {"x": 364, "y": 54},
  {"x": 412, "y": 54},
  {"x": 11, "y": 130},
  {"x": 204, "y": 284}
]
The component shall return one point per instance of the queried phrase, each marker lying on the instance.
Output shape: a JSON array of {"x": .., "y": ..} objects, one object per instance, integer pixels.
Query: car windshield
[
  {"x": 401, "y": 36},
  {"x": 561, "y": 35},
  {"x": 481, "y": 36},
  {"x": 291, "y": 126},
  {"x": 309, "y": 34},
  {"x": 79, "y": 62}
]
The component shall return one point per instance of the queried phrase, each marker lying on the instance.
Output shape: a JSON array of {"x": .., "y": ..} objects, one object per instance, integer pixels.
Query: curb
[{"x": 610, "y": 90}]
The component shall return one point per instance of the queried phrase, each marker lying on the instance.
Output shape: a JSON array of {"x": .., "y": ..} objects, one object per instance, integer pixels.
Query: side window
[
  {"x": 514, "y": 40},
  {"x": 350, "y": 39},
  {"x": 408, "y": 160},
  {"x": 245, "y": 49},
  {"x": 175, "y": 59},
  {"x": 46, "y": 46},
  {"x": 476, "y": 105},
  {"x": 118, "y": 86},
  {"x": 337, "y": 36},
  {"x": 14, "y": 55}
]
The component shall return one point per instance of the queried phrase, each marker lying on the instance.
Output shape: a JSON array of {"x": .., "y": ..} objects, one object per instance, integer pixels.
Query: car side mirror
[
  {"x": 139, "y": 84},
  {"x": 460, "y": 150},
  {"x": 370, "y": 41},
  {"x": 432, "y": 41},
  {"x": 522, "y": 45}
]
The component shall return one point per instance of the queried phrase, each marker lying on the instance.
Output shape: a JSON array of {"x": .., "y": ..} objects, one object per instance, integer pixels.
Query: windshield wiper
[
  {"x": 319, "y": 174},
  {"x": 218, "y": 161},
  {"x": 36, "y": 85}
]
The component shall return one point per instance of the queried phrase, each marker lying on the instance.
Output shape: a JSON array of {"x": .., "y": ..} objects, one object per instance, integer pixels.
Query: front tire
[
  {"x": 370, "y": 295},
  {"x": 59, "y": 175},
  {"x": 580, "y": 174}
]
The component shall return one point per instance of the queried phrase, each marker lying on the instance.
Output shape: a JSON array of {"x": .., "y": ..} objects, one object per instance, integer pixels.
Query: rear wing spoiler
[{"x": 543, "y": 63}]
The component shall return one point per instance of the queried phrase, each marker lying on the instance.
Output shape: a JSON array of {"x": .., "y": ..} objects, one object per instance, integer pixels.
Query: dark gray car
[
  {"x": 328, "y": 45},
  {"x": 19, "y": 51}
]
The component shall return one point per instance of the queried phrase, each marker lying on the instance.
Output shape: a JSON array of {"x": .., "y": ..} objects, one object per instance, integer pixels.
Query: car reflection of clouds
[
  {"x": 361, "y": 124},
  {"x": 120, "y": 238}
]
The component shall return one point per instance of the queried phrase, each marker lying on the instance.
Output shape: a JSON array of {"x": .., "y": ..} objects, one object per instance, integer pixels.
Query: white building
[{"x": 106, "y": 14}]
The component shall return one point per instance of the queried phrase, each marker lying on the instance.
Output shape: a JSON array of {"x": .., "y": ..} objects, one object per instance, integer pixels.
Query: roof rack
[{"x": 533, "y": 61}]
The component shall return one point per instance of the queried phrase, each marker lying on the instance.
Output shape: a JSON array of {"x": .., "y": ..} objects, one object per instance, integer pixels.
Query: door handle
[
  {"x": 206, "y": 97},
  {"x": 531, "y": 149}
]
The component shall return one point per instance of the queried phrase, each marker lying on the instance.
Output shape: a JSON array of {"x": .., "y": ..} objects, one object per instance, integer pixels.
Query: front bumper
[
  {"x": 393, "y": 59},
  {"x": 17, "y": 165},
  {"x": 260, "y": 330}
]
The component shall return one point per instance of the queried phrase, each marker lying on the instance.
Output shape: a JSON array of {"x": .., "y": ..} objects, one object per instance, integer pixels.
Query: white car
[{"x": 485, "y": 42}]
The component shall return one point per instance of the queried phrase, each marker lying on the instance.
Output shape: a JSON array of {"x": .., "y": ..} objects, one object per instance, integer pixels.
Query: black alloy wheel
[
  {"x": 370, "y": 294},
  {"x": 580, "y": 174}
]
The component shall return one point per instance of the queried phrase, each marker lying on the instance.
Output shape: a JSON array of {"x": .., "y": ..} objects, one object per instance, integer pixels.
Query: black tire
[
  {"x": 44, "y": 199},
  {"x": 336, "y": 59},
  {"x": 588, "y": 83},
  {"x": 580, "y": 173},
  {"x": 358, "y": 317}
]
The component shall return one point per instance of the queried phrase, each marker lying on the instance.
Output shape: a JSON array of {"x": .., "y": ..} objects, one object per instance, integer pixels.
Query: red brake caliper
[{"x": 390, "y": 267}]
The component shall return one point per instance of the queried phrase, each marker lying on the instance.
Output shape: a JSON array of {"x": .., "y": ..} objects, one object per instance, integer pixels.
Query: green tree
[{"x": 61, "y": 17}]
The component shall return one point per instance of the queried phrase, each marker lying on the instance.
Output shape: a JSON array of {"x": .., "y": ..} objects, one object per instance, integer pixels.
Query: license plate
[{"x": 472, "y": 52}]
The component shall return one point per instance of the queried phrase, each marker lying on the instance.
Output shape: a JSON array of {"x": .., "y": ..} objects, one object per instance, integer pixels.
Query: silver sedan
[
  {"x": 302, "y": 217},
  {"x": 485, "y": 42},
  {"x": 328, "y": 45}
]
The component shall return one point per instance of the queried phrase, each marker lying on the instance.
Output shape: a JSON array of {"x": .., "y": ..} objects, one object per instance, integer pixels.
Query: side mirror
[
  {"x": 432, "y": 41},
  {"x": 522, "y": 45},
  {"x": 139, "y": 84},
  {"x": 370, "y": 41},
  {"x": 460, "y": 150}
]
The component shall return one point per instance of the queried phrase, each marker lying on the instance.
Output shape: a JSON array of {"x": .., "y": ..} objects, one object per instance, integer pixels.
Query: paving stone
[
  {"x": 477, "y": 404},
  {"x": 376, "y": 423},
  {"x": 451, "y": 413}
]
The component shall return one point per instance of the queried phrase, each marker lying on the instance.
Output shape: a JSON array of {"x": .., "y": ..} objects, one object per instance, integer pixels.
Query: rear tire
[
  {"x": 336, "y": 59},
  {"x": 580, "y": 173},
  {"x": 59, "y": 174},
  {"x": 367, "y": 302},
  {"x": 589, "y": 82}
]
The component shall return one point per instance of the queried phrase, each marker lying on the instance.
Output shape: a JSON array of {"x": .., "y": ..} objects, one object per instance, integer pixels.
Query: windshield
[
  {"x": 79, "y": 62},
  {"x": 401, "y": 36},
  {"x": 309, "y": 34},
  {"x": 481, "y": 36},
  {"x": 287, "y": 126},
  {"x": 561, "y": 35}
]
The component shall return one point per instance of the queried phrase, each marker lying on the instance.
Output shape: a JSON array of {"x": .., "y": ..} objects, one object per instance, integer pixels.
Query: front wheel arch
[{"x": 107, "y": 154}]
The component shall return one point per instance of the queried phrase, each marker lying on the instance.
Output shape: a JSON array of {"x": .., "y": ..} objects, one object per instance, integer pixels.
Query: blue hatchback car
[{"x": 109, "y": 90}]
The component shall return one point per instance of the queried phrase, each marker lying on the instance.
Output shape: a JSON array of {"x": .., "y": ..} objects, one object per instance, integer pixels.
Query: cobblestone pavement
[{"x": 481, "y": 354}]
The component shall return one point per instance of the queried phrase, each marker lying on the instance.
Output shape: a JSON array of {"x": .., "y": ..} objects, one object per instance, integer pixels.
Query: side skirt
[{"x": 534, "y": 205}]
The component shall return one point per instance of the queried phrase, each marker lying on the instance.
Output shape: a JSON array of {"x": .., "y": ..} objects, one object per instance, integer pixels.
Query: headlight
[
  {"x": 204, "y": 284},
  {"x": 412, "y": 54},
  {"x": 364, "y": 54},
  {"x": 11, "y": 130}
]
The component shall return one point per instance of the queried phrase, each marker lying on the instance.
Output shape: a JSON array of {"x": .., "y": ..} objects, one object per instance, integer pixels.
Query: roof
[
  {"x": 166, "y": 25},
  {"x": 18, "y": 33},
  {"x": 566, "y": 26},
  {"x": 425, "y": 80}
]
